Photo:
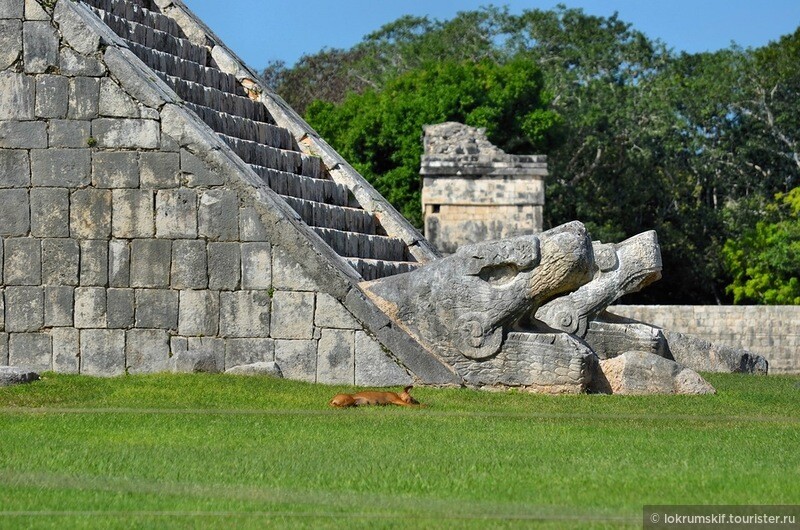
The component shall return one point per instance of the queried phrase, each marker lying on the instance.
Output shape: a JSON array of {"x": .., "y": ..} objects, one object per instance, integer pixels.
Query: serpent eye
[{"x": 499, "y": 275}]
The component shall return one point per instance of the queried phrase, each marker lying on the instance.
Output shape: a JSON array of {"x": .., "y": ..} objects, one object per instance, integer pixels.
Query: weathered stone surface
[
  {"x": 176, "y": 213},
  {"x": 52, "y": 96},
  {"x": 24, "y": 309},
  {"x": 66, "y": 350},
  {"x": 208, "y": 345},
  {"x": 288, "y": 274},
  {"x": 58, "y": 306},
  {"x": 90, "y": 307},
  {"x": 621, "y": 269},
  {"x": 196, "y": 173},
  {"x": 40, "y": 46},
  {"x": 157, "y": 309},
  {"x": 133, "y": 213},
  {"x": 199, "y": 313},
  {"x": 292, "y": 315},
  {"x": 150, "y": 262},
  {"x": 609, "y": 339},
  {"x": 84, "y": 93},
  {"x": 297, "y": 359},
  {"x": 636, "y": 373},
  {"x": 705, "y": 356},
  {"x": 336, "y": 357},
  {"x": 190, "y": 362},
  {"x": 189, "y": 268},
  {"x": 256, "y": 266},
  {"x": 15, "y": 217},
  {"x": 74, "y": 64},
  {"x": 248, "y": 351},
  {"x": 31, "y": 350},
  {"x": 270, "y": 369},
  {"x": 116, "y": 169},
  {"x": 60, "y": 261},
  {"x": 50, "y": 212},
  {"x": 126, "y": 134},
  {"x": 330, "y": 313},
  {"x": 115, "y": 102},
  {"x": 10, "y": 42},
  {"x": 69, "y": 133},
  {"x": 80, "y": 36},
  {"x": 250, "y": 226},
  {"x": 223, "y": 266},
  {"x": 147, "y": 351},
  {"x": 94, "y": 262},
  {"x": 102, "y": 352},
  {"x": 12, "y": 375},
  {"x": 150, "y": 91},
  {"x": 119, "y": 263},
  {"x": 160, "y": 170},
  {"x": 11, "y": 9},
  {"x": 373, "y": 367},
  {"x": 61, "y": 168},
  {"x": 34, "y": 11},
  {"x": 23, "y": 261},
  {"x": 244, "y": 314},
  {"x": 23, "y": 134},
  {"x": 120, "y": 308},
  {"x": 15, "y": 169},
  {"x": 90, "y": 214},
  {"x": 219, "y": 215},
  {"x": 17, "y": 96}
]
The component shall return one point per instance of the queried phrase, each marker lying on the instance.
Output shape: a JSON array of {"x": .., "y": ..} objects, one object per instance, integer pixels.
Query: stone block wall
[
  {"x": 770, "y": 331},
  {"x": 121, "y": 246}
]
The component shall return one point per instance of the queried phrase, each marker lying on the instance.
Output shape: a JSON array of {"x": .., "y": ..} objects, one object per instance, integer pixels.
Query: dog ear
[{"x": 408, "y": 389}]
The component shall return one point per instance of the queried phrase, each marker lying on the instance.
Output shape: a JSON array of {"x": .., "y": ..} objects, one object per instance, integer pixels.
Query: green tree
[
  {"x": 765, "y": 260},
  {"x": 379, "y": 132}
]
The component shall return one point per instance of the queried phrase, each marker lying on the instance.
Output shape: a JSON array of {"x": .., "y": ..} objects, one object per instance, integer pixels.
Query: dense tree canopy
[{"x": 695, "y": 146}]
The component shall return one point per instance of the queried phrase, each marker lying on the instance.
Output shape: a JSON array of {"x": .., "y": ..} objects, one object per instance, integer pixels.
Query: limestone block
[
  {"x": 23, "y": 261},
  {"x": 244, "y": 314},
  {"x": 17, "y": 96},
  {"x": 288, "y": 274},
  {"x": 15, "y": 217},
  {"x": 256, "y": 266},
  {"x": 15, "y": 169},
  {"x": 219, "y": 215},
  {"x": 160, "y": 170},
  {"x": 119, "y": 263},
  {"x": 609, "y": 339},
  {"x": 336, "y": 357},
  {"x": 269, "y": 369},
  {"x": 199, "y": 313},
  {"x": 10, "y": 42},
  {"x": 178, "y": 345},
  {"x": 196, "y": 173},
  {"x": 64, "y": 168},
  {"x": 189, "y": 269},
  {"x": 66, "y": 350},
  {"x": 133, "y": 213},
  {"x": 13, "y": 375},
  {"x": 176, "y": 213},
  {"x": 120, "y": 308},
  {"x": 34, "y": 351},
  {"x": 40, "y": 46},
  {"x": 94, "y": 262},
  {"x": 191, "y": 362},
  {"x": 297, "y": 359},
  {"x": 22, "y": 134},
  {"x": 248, "y": 351},
  {"x": 50, "y": 212},
  {"x": 250, "y": 226},
  {"x": 150, "y": 91},
  {"x": 90, "y": 214},
  {"x": 52, "y": 96},
  {"x": 74, "y": 64},
  {"x": 3, "y": 348},
  {"x": 58, "y": 306},
  {"x": 60, "y": 261},
  {"x": 80, "y": 35},
  {"x": 115, "y": 169},
  {"x": 373, "y": 367},
  {"x": 102, "y": 352},
  {"x": 208, "y": 346},
  {"x": 125, "y": 133},
  {"x": 69, "y": 133},
  {"x": 330, "y": 313},
  {"x": 90, "y": 307},
  {"x": 223, "y": 266},
  {"x": 84, "y": 94},
  {"x": 703, "y": 355},
  {"x": 11, "y": 9},
  {"x": 638, "y": 373},
  {"x": 292, "y": 315},
  {"x": 34, "y": 11},
  {"x": 157, "y": 309},
  {"x": 147, "y": 351},
  {"x": 115, "y": 102},
  {"x": 2, "y": 314},
  {"x": 150, "y": 262}
]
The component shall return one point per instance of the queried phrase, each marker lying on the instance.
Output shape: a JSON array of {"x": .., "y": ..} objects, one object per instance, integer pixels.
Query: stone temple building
[{"x": 472, "y": 191}]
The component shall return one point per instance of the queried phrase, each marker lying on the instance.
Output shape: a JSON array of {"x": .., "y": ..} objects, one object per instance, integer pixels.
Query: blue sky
[{"x": 263, "y": 30}]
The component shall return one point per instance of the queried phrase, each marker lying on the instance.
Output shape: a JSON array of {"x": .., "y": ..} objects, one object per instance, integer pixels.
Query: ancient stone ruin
[{"x": 160, "y": 209}]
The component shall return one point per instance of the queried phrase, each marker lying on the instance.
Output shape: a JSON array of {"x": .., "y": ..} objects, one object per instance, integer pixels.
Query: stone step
[
  {"x": 365, "y": 246},
  {"x": 238, "y": 127},
  {"x": 258, "y": 154},
  {"x": 373, "y": 269},
  {"x": 216, "y": 99},
  {"x": 318, "y": 190},
  {"x": 187, "y": 70},
  {"x": 141, "y": 12},
  {"x": 332, "y": 216}
]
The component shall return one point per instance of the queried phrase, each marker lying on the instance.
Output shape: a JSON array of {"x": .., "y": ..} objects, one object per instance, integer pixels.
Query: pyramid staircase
[{"x": 246, "y": 126}]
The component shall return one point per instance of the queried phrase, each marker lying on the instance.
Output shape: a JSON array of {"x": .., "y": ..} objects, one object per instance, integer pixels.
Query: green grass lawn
[{"x": 204, "y": 451}]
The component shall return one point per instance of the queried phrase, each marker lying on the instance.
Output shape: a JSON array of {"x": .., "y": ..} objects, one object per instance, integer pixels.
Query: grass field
[{"x": 205, "y": 451}]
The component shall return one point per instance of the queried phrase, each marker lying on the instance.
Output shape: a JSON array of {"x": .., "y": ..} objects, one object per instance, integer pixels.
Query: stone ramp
[{"x": 231, "y": 109}]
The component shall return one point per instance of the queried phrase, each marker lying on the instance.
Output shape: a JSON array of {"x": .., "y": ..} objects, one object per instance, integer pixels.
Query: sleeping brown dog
[{"x": 374, "y": 397}]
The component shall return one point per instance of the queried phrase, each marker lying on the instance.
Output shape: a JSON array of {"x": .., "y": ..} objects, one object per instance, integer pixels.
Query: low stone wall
[{"x": 770, "y": 331}]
